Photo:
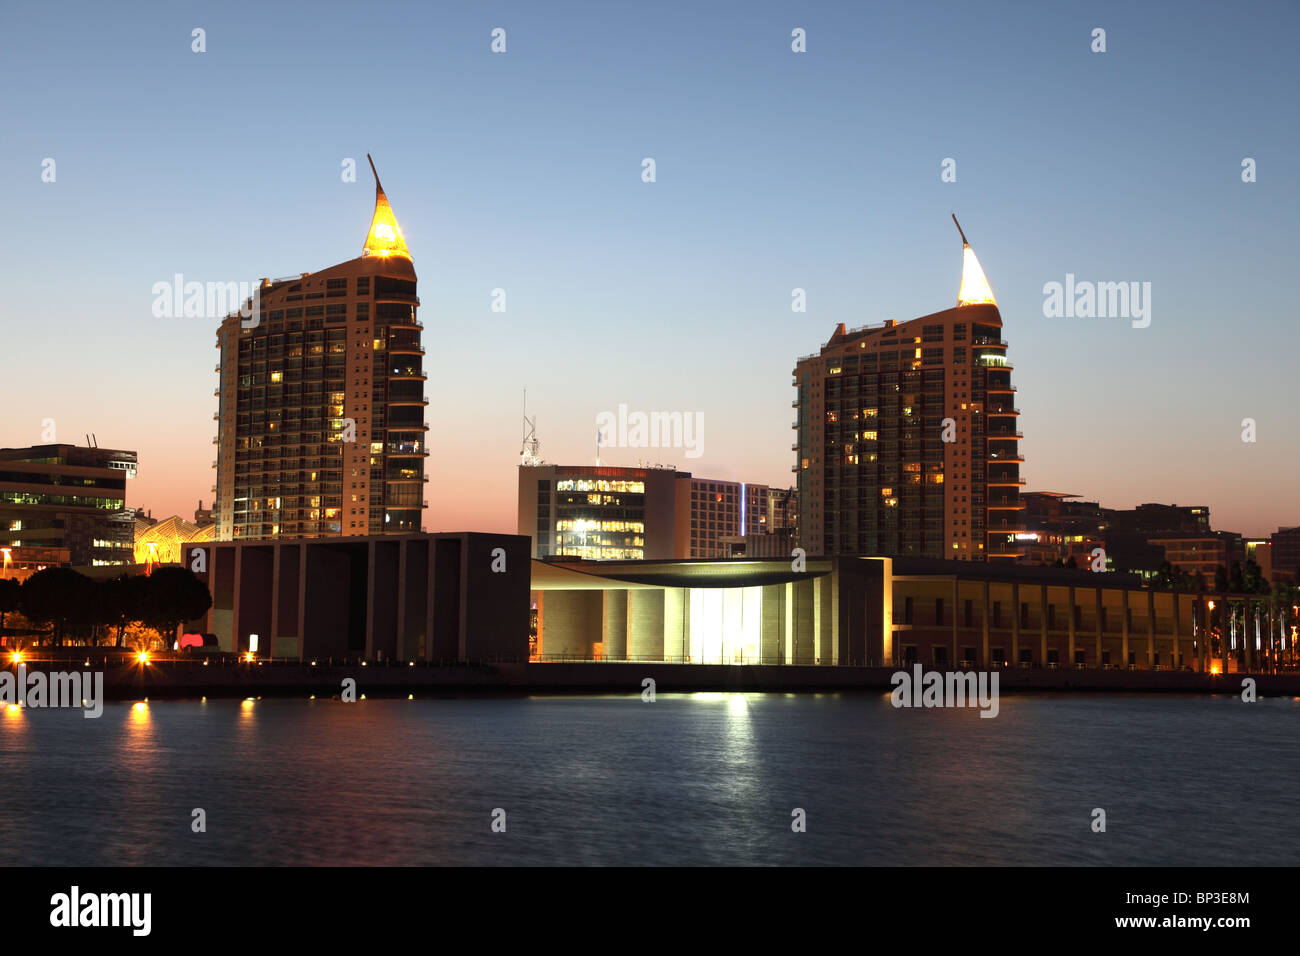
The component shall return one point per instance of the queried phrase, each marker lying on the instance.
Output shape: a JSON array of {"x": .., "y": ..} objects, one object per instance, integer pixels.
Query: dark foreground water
[{"x": 705, "y": 778}]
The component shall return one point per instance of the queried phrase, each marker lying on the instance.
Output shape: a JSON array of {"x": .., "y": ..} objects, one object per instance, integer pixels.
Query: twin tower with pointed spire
[
  {"x": 906, "y": 443},
  {"x": 385, "y": 236},
  {"x": 321, "y": 427}
]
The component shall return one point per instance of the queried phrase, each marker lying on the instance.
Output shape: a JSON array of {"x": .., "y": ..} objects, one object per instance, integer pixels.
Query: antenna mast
[
  {"x": 530, "y": 452},
  {"x": 959, "y": 229}
]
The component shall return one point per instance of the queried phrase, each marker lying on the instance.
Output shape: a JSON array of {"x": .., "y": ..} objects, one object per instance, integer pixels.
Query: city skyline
[{"x": 592, "y": 258}]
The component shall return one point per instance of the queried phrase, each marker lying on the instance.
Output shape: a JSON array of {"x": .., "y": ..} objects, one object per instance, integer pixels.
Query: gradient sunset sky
[{"x": 775, "y": 170}]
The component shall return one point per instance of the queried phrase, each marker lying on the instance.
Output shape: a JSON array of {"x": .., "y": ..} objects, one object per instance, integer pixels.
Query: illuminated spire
[
  {"x": 385, "y": 236},
  {"x": 974, "y": 286}
]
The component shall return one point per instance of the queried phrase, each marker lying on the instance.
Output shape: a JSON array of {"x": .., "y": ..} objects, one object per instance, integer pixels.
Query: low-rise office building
[
  {"x": 68, "y": 497},
  {"x": 862, "y": 611}
]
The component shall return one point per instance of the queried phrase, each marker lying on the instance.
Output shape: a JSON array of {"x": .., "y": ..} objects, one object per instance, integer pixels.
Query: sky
[{"x": 774, "y": 170}]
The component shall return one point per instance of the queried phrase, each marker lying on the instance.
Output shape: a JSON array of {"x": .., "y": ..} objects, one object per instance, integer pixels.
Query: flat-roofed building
[
  {"x": 458, "y": 596},
  {"x": 610, "y": 513},
  {"x": 871, "y": 611},
  {"x": 70, "y": 498}
]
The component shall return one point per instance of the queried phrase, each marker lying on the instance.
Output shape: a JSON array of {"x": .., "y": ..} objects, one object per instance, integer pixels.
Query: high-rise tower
[
  {"x": 906, "y": 438},
  {"x": 321, "y": 417}
]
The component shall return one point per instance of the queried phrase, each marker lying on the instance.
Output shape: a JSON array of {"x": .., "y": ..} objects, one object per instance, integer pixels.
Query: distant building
[
  {"x": 1286, "y": 553},
  {"x": 161, "y": 542},
  {"x": 321, "y": 416},
  {"x": 611, "y": 513},
  {"x": 202, "y": 515},
  {"x": 1202, "y": 554},
  {"x": 1260, "y": 550},
  {"x": 1157, "y": 518},
  {"x": 20, "y": 563},
  {"x": 1060, "y": 529},
  {"x": 68, "y": 497},
  {"x": 906, "y": 441},
  {"x": 1130, "y": 533}
]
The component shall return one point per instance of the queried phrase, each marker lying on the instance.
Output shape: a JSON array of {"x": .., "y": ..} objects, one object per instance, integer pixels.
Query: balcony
[
  {"x": 1002, "y": 410},
  {"x": 985, "y": 340},
  {"x": 994, "y": 458}
]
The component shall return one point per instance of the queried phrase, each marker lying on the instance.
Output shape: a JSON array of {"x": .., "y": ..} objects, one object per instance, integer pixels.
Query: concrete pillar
[
  {"x": 1124, "y": 633},
  {"x": 645, "y": 624},
  {"x": 1151, "y": 629},
  {"x": 614, "y": 625},
  {"x": 824, "y": 620},
  {"x": 399, "y": 651},
  {"x": 370, "y": 599},
  {"x": 234, "y": 605},
  {"x": 303, "y": 649},
  {"x": 1015, "y": 624},
  {"x": 956, "y": 601},
  {"x": 804, "y": 622},
  {"x": 1042, "y": 625},
  {"x": 275, "y": 600},
  {"x": 773, "y": 633},
  {"x": 1100, "y": 610},
  {"x": 1069, "y": 653},
  {"x": 677, "y": 625},
  {"x": 984, "y": 652},
  {"x": 1178, "y": 627}
]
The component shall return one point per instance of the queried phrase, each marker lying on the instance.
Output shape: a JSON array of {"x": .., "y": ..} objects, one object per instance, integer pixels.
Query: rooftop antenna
[
  {"x": 959, "y": 229},
  {"x": 530, "y": 452}
]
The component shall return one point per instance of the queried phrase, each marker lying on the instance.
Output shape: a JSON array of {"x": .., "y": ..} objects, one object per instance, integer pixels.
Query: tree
[
  {"x": 122, "y": 600},
  {"x": 1236, "y": 583},
  {"x": 172, "y": 596},
  {"x": 57, "y": 597},
  {"x": 9, "y": 591},
  {"x": 1220, "y": 579},
  {"x": 1253, "y": 579}
]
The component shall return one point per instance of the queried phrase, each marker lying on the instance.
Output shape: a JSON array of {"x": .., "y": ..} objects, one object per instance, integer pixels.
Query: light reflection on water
[{"x": 696, "y": 778}]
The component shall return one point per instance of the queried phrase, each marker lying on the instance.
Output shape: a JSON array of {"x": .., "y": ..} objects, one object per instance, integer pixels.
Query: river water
[{"x": 686, "y": 779}]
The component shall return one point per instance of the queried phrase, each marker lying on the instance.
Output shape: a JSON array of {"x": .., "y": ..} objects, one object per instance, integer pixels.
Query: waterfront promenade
[{"x": 127, "y": 678}]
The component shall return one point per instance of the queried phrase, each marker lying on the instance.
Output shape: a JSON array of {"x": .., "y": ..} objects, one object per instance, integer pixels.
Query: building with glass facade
[
  {"x": 321, "y": 400},
  {"x": 605, "y": 513},
  {"x": 906, "y": 441},
  {"x": 56, "y": 498}
]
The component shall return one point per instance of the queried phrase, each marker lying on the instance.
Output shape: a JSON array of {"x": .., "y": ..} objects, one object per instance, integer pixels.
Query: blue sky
[{"x": 775, "y": 170}]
